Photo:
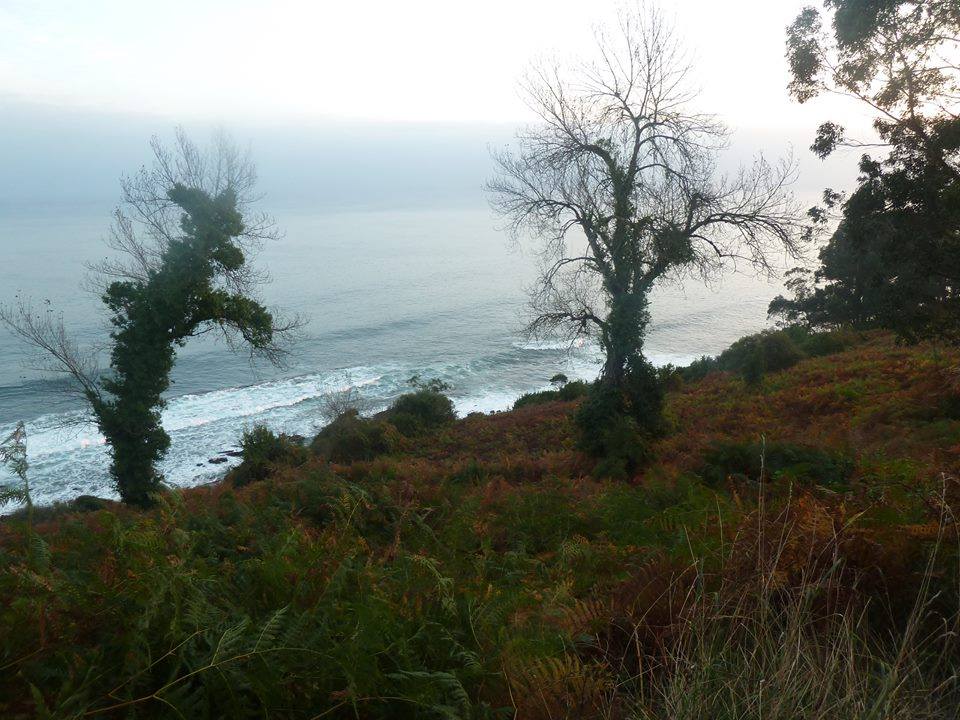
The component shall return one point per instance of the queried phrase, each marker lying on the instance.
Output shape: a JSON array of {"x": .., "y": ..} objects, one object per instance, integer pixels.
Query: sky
[
  {"x": 302, "y": 61},
  {"x": 82, "y": 81}
]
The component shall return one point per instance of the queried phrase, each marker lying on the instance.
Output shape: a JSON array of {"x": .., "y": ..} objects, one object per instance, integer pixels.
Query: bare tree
[
  {"x": 183, "y": 235},
  {"x": 619, "y": 182},
  {"x": 339, "y": 402}
]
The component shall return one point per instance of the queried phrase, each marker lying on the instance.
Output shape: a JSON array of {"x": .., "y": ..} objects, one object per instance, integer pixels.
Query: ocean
[{"x": 387, "y": 292}]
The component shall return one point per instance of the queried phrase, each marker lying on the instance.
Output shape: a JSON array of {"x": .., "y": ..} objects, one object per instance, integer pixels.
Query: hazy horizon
[{"x": 348, "y": 105}]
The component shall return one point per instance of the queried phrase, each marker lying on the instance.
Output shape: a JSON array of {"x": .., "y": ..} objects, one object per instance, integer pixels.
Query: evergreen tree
[{"x": 894, "y": 259}]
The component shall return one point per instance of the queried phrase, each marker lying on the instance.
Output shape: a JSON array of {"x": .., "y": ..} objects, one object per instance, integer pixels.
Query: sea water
[{"x": 386, "y": 293}]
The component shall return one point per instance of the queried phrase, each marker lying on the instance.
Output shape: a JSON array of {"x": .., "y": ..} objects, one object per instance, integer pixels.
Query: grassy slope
[{"x": 484, "y": 571}]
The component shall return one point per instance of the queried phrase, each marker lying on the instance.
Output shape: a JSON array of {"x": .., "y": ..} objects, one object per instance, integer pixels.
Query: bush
[
  {"x": 699, "y": 369},
  {"x": 818, "y": 344},
  {"x": 754, "y": 356},
  {"x": 781, "y": 462},
  {"x": 618, "y": 424},
  {"x": 643, "y": 397},
  {"x": 263, "y": 450},
  {"x": 416, "y": 412},
  {"x": 351, "y": 437},
  {"x": 625, "y": 449},
  {"x": 569, "y": 391}
]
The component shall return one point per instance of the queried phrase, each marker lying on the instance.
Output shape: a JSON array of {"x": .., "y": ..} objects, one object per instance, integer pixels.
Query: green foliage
[
  {"x": 756, "y": 355},
  {"x": 893, "y": 258},
  {"x": 481, "y": 572},
  {"x": 418, "y": 412},
  {"x": 13, "y": 455},
  {"x": 351, "y": 437},
  {"x": 617, "y": 423},
  {"x": 566, "y": 392},
  {"x": 153, "y": 315},
  {"x": 781, "y": 462},
  {"x": 768, "y": 351},
  {"x": 263, "y": 451}
]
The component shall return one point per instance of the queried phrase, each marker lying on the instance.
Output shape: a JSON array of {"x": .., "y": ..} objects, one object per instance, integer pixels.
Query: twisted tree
[
  {"x": 619, "y": 184},
  {"x": 183, "y": 233}
]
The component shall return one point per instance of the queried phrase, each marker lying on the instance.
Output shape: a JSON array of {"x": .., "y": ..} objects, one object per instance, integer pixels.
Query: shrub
[
  {"x": 818, "y": 344},
  {"x": 417, "y": 412},
  {"x": 618, "y": 424},
  {"x": 781, "y": 462},
  {"x": 643, "y": 396},
  {"x": 536, "y": 398},
  {"x": 755, "y": 355},
  {"x": 569, "y": 391},
  {"x": 263, "y": 450},
  {"x": 699, "y": 369},
  {"x": 351, "y": 437},
  {"x": 336, "y": 403},
  {"x": 625, "y": 449}
]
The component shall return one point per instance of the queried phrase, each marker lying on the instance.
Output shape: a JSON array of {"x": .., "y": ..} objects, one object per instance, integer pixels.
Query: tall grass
[{"x": 758, "y": 648}]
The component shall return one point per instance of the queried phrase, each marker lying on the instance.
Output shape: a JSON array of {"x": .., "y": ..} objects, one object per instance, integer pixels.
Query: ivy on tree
[{"x": 183, "y": 236}]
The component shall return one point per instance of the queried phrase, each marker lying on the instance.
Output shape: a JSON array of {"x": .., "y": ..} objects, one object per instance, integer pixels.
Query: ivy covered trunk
[
  {"x": 622, "y": 338},
  {"x": 152, "y": 317}
]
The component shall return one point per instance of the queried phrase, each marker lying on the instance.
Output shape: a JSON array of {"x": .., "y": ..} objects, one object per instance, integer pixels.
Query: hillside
[{"x": 791, "y": 553}]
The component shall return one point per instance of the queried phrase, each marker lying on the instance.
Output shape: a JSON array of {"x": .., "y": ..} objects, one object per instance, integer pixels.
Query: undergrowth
[{"x": 789, "y": 552}]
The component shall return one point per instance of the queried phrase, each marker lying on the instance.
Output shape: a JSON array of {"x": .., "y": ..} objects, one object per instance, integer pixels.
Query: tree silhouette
[
  {"x": 894, "y": 258},
  {"x": 619, "y": 184}
]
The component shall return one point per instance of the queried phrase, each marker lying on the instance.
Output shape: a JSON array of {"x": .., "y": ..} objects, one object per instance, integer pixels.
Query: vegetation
[
  {"x": 263, "y": 451},
  {"x": 350, "y": 436},
  {"x": 619, "y": 184},
  {"x": 417, "y": 412},
  {"x": 893, "y": 259},
  {"x": 187, "y": 276},
  {"x": 483, "y": 571},
  {"x": 13, "y": 456},
  {"x": 766, "y": 534},
  {"x": 565, "y": 391},
  {"x": 754, "y": 356}
]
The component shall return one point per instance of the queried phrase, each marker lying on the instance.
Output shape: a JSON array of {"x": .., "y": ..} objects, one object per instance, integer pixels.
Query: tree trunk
[{"x": 622, "y": 340}]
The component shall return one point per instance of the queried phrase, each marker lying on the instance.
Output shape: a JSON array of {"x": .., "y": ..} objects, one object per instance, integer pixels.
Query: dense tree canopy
[{"x": 894, "y": 258}]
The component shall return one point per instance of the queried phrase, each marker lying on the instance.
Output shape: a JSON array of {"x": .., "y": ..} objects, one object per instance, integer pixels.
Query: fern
[
  {"x": 562, "y": 687},
  {"x": 450, "y": 687},
  {"x": 13, "y": 454},
  {"x": 271, "y": 630}
]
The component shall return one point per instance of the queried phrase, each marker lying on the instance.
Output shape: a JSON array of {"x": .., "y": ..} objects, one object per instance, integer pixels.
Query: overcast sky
[
  {"x": 310, "y": 66},
  {"x": 303, "y": 60}
]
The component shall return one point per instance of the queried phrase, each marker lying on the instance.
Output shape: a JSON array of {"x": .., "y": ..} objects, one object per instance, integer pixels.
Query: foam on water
[{"x": 69, "y": 457}]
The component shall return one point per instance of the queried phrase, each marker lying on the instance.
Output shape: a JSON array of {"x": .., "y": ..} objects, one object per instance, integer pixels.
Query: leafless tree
[
  {"x": 42, "y": 328},
  {"x": 339, "y": 402},
  {"x": 619, "y": 182}
]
